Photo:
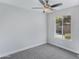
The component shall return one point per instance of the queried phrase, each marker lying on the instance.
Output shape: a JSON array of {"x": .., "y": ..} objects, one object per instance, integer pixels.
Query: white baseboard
[
  {"x": 19, "y": 50},
  {"x": 76, "y": 52}
]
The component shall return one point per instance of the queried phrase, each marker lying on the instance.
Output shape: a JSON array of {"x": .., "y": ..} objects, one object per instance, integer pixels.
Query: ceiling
[{"x": 28, "y": 4}]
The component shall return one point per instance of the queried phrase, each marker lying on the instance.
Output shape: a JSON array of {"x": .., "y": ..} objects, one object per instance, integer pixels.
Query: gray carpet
[{"x": 43, "y": 52}]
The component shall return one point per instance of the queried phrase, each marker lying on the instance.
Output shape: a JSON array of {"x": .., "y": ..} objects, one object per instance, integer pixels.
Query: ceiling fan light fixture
[{"x": 47, "y": 10}]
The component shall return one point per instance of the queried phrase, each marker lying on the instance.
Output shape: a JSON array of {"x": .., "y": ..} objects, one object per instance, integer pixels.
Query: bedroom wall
[
  {"x": 20, "y": 29},
  {"x": 73, "y": 44}
]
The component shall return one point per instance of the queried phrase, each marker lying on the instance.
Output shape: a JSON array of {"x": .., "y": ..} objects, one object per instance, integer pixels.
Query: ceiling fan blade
[
  {"x": 37, "y": 8},
  {"x": 55, "y": 5},
  {"x": 47, "y": 1},
  {"x": 42, "y": 2}
]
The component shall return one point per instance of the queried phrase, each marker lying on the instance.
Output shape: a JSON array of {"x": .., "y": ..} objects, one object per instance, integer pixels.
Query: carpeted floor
[{"x": 45, "y": 51}]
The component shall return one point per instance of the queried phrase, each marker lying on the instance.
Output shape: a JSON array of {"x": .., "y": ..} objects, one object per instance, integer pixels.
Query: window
[{"x": 63, "y": 27}]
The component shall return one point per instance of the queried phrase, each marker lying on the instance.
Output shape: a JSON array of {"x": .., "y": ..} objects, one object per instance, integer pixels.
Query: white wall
[
  {"x": 20, "y": 29},
  {"x": 72, "y": 45}
]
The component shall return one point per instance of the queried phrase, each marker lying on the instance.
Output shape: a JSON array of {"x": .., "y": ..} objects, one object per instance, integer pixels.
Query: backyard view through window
[{"x": 63, "y": 27}]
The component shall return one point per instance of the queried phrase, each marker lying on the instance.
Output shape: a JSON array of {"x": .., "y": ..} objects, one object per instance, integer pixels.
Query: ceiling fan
[{"x": 46, "y": 6}]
